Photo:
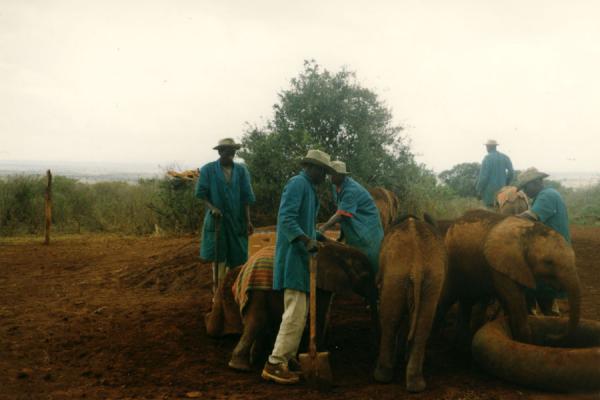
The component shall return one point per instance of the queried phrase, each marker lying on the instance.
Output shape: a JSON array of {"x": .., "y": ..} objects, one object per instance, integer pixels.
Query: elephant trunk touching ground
[
  {"x": 573, "y": 367},
  {"x": 570, "y": 282}
]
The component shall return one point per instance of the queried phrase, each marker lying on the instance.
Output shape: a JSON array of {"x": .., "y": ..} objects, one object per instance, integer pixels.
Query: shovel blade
[{"x": 316, "y": 370}]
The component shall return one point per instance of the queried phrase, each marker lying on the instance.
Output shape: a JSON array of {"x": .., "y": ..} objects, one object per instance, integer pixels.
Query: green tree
[
  {"x": 462, "y": 178},
  {"x": 334, "y": 113}
]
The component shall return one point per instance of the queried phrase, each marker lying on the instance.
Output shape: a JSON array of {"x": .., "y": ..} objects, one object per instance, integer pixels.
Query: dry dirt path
[{"x": 120, "y": 317}]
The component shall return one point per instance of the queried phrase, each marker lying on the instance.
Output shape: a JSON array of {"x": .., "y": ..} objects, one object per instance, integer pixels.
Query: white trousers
[{"x": 292, "y": 326}]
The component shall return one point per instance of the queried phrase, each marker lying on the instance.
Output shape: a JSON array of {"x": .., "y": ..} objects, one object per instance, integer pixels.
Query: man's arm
[
  {"x": 203, "y": 191},
  {"x": 248, "y": 220},
  {"x": 545, "y": 206},
  {"x": 335, "y": 218}
]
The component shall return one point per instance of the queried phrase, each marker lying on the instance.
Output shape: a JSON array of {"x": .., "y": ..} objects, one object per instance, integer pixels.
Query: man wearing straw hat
[
  {"x": 550, "y": 209},
  {"x": 226, "y": 189},
  {"x": 496, "y": 171},
  {"x": 357, "y": 214},
  {"x": 296, "y": 237}
]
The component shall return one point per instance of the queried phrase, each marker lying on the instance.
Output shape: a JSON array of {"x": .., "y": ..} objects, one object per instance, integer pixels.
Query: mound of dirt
[{"x": 168, "y": 270}]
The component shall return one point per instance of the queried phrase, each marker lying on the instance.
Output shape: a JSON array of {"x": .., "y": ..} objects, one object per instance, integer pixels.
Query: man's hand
[
  {"x": 530, "y": 215},
  {"x": 312, "y": 245},
  {"x": 250, "y": 228},
  {"x": 216, "y": 212}
]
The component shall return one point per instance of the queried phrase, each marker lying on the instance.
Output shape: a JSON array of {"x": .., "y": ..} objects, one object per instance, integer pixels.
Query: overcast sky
[{"x": 160, "y": 81}]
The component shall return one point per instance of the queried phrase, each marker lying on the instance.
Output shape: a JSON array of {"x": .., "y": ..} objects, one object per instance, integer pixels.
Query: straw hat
[
  {"x": 529, "y": 175},
  {"x": 319, "y": 158},
  {"x": 339, "y": 167},
  {"x": 491, "y": 142},
  {"x": 227, "y": 142}
]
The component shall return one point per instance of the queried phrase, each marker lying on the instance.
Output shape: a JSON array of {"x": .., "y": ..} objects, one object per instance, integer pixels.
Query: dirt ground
[{"x": 119, "y": 317}]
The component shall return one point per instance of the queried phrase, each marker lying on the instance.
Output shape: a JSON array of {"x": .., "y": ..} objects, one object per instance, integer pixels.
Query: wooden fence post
[{"x": 48, "y": 197}]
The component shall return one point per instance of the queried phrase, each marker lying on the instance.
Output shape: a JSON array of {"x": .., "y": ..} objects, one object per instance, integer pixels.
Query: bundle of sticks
[{"x": 188, "y": 175}]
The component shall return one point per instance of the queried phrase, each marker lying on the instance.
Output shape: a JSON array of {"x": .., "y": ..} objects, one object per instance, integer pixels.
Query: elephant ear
[{"x": 504, "y": 250}]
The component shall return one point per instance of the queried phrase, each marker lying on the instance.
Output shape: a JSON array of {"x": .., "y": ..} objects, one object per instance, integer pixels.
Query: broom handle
[{"x": 312, "y": 345}]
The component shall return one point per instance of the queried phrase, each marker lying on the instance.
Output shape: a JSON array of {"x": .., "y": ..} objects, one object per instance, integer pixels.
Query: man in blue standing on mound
[
  {"x": 548, "y": 208},
  {"x": 296, "y": 237},
  {"x": 357, "y": 214},
  {"x": 227, "y": 192},
  {"x": 496, "y": 171}
]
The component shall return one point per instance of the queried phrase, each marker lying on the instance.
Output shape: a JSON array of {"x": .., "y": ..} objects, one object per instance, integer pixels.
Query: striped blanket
[{"x": 256, "y": 274}]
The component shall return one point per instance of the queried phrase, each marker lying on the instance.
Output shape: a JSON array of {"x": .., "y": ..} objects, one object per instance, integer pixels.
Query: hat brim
[
  {"x": 235, "y": 146},
  {"x": 341, "y": 173},
  {"x": 318, "y": 163},
  {"x": 541, "y": 175}
]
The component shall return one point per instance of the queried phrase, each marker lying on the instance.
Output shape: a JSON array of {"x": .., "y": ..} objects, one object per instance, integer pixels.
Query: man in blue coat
[
  {"x": 548, "y": 208},
  {"x": 357, "y": 214},
  {"x": 496, "y": 171},
  {"x": 296, "y": 237},
  {"x": 226, "y": 189}
]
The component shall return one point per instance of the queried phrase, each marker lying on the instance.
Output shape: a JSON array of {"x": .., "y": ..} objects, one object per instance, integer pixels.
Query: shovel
[
  {"x": 215, "y": 267},
  {"x": 315, "y": 366}
]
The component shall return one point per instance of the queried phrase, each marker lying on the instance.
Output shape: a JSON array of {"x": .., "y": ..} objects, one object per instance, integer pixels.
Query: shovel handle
[
  {"x": 216, "y": 261},
  {"x": 312, "y": 345}
]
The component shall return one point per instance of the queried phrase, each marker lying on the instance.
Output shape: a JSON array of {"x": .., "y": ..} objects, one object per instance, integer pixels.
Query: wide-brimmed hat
[
  {"x": 529, "y": 175},
  {"x": 319, "y": 158},
  {"x": 491, "y": 142},
  {"x": 339, "y": 167},
  {"x": 227, "y": 142}
]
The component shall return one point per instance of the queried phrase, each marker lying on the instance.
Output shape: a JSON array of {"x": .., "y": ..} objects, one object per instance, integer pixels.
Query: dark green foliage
[{"x": 462, "y": 178}]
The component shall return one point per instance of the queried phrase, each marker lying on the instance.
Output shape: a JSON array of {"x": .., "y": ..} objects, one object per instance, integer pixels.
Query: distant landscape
[{"x": 90, "y": 172}]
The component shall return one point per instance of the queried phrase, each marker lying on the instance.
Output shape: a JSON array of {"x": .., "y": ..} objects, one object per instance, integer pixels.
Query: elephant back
[{"x": 468, "y": 270}]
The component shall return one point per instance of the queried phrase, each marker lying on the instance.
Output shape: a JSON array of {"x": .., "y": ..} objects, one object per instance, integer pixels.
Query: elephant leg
[
  {"x": 424, "y": 322},
  {"x": 392, "y": 307},
  {"x": 255, "y": 319},
  {"x": 513, "y": 300}
]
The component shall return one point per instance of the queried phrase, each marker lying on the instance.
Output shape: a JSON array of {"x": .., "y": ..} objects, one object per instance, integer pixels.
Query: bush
[{"x": 164, "y": 204}]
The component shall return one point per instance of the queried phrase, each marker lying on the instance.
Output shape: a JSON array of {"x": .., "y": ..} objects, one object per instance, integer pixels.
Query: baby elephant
[{"x": 413, "y": 266}]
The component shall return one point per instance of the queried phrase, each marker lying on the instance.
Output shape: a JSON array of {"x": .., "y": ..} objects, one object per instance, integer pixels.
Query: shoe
[{"x": 279, "y": 373}]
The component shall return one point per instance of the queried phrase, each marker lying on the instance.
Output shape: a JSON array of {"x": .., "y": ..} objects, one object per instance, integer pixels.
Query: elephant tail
[{"x": 417, "y": 282}]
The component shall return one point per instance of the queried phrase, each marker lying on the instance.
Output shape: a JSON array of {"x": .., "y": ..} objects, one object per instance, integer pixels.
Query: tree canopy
[
  {"x": 462, "y": 178},
  {"x": 334, "y": 113}
]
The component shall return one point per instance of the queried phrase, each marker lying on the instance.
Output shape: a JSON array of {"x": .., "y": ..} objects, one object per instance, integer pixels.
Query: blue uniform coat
[
  {"x": 550, "y": 208},
  {"x": 231, "y": 198},
  {"x": 496, "y": 171},
  {"x": 361, "y": 223},
  {"x": 297, "y": 216}
]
